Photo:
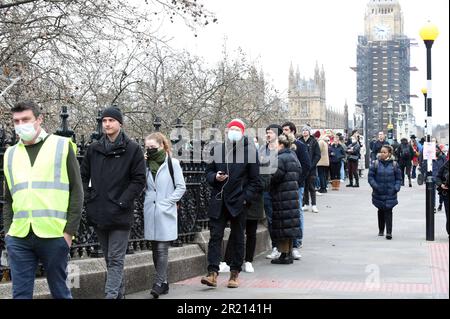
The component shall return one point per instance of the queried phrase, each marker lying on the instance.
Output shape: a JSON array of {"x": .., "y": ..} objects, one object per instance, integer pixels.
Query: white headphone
[{"x": 220, "y": 194}]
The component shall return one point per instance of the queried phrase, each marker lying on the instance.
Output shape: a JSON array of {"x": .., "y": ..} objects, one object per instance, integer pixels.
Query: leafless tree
[{"x": 61, "y": 50}]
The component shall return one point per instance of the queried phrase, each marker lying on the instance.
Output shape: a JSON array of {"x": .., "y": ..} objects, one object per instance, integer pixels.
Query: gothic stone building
[{"x": 307, "y": 102}]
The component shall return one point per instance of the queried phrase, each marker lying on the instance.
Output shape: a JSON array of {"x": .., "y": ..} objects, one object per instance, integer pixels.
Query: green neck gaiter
[{"x": 156, "y": 160}]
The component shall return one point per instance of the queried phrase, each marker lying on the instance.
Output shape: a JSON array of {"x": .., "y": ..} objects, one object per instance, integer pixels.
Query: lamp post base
[{"x": 430, "y": 208}]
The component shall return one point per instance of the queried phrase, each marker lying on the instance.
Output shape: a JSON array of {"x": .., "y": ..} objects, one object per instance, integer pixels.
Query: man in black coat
[
  {"x": 113, "y": 175},
  {"x": 375, "y": 147},
  {"x": 303, "y": 157},
  {"x": 314, "y": 155},
  {"x": 233, "y": 173}
]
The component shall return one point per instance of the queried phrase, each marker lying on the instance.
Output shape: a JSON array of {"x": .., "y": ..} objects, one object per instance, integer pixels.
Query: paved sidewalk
[{"x": 343, "y": 257}]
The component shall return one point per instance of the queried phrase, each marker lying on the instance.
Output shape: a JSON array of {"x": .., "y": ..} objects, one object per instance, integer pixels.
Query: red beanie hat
[
  {"x": 237, "y": 123},
  {"x": 317, "y": 134}
]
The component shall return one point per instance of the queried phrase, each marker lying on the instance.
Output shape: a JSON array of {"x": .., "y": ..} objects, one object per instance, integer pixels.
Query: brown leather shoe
[
  {"x": 234, "y": 281},
  {"x": 211, "y": 279}
]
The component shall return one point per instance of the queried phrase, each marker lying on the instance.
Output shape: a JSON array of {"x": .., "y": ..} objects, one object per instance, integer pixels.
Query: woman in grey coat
[{"x": 162, "y": 193}]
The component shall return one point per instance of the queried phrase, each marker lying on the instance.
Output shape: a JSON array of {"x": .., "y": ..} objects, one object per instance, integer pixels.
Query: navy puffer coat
[
  {"x": 285, "y": 201},
  {"x": 386, "y": 182}
]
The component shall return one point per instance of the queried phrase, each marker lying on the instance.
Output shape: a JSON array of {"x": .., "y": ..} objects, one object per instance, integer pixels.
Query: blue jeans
[
  {"x": 24, "y": 255},
  {"x": 323, "y": 177},
  {"x": 413, "y": 173},
  {"x": 268, "y": 210},
  {"x": 298, "y": 241},
  {"x": 342, "y": 171}
]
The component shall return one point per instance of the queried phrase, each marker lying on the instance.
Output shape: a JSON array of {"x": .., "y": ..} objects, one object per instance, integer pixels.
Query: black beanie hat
[
  {"x": 113, "y": 112},
  {"x": 277, "y": 129}
]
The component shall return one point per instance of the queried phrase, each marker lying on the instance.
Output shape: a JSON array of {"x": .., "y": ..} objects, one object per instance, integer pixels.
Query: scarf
[{"x": 155, "y": 161}]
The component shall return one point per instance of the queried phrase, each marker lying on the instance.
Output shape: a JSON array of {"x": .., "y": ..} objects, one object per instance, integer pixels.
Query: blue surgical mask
[{"x": 235, "y": 136}]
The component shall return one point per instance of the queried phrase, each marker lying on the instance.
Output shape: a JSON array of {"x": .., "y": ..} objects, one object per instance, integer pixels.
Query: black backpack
[
  {"x": 405, "y": 152},
  {"x": 169, "y": 162}
]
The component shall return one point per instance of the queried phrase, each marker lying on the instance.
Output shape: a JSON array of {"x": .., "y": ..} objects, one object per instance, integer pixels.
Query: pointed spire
[
  {"x": 297, "y": 76},
  {"x": 317, "y": 75},
  {"x": 292, "y": 79}
]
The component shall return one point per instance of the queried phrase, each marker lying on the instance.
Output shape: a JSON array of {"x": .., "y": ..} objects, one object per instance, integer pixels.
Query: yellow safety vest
[{"x": 40, "y": 193}]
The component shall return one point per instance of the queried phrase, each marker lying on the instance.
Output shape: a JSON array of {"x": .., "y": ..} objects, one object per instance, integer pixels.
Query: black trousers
[
  {"x": 310, "y": 190},
  {"x": 335, "y": 169},
  {"x": 250, "y": 243},
  {"x": 446, "y": 210},
  {"x": 353, "y": 171},
  {"x": 385, "y": 220},
  {"x": 406, "y": 169},
  {"x": 216, "y": 229}
]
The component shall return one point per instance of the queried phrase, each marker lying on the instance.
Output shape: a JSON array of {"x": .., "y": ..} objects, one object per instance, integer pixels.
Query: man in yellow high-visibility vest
[{"x": 43, "y": 203}]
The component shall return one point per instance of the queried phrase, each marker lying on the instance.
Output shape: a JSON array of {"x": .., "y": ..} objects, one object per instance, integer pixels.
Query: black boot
[
  {"x": 351, "y": 183},
  {"x": 284, "y": 259},
  {"x": 356, "y": 181}
]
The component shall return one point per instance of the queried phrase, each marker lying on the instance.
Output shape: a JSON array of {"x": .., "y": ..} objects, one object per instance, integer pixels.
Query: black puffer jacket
[
  {"x": 117, "y": 177},
  {"x": 284, "y": 192}
]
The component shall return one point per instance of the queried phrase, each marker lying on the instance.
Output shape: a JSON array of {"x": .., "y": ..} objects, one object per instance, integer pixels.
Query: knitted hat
[
  {"x": 277, "y": 129},
  {"x": 237, "y": 123},
  {"x": 113, "y": 112},
  {"x": 317, "y": 134},
  {"x": 307, "y": 128}
]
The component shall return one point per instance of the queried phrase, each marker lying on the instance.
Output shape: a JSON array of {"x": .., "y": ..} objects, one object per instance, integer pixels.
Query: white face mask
[
  {"x": 235, "y": 136},
  {"x": 26, "y": 131}
]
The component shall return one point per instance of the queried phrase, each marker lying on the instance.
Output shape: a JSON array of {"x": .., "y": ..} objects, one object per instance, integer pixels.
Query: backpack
[
  {"x": 169, "y": 162},
  {"x": 405, "y": 152},
  {"x": 377, "y": 162}
]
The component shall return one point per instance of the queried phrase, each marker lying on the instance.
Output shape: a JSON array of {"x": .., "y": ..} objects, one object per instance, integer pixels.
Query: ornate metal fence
[{"x": 192, "y": 214}]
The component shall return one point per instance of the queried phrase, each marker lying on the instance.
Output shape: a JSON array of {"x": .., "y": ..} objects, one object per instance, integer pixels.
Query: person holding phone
[{"x": 233, "y": 173}]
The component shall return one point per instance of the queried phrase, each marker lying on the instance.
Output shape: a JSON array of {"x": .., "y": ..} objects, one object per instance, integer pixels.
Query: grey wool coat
[{"x": 160, "y": 205}]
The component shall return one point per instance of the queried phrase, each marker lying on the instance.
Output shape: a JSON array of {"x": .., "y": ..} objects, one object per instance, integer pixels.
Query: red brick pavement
[{"x": 439, "y": 262}]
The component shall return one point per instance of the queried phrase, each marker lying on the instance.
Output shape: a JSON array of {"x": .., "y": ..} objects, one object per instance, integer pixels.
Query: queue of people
[{"x": 276, "y": 181}]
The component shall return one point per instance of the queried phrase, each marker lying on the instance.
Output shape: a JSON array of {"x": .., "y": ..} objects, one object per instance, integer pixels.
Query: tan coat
[{"x": 324, "y": 157}]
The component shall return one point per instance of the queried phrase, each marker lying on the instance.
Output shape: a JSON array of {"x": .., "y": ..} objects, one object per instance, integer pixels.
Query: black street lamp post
[{"x": 429, "y": 33}]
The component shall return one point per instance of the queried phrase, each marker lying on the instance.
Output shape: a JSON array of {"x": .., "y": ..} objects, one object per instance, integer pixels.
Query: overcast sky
[{"x": 276, "y": 33}]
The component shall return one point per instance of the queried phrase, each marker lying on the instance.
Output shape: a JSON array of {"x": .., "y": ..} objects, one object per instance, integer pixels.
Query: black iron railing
[{"x": 192, "y": 214}]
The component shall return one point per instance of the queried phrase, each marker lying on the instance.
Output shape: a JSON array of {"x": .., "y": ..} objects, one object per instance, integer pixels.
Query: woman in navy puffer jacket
[{"x": 385, "y": 178}]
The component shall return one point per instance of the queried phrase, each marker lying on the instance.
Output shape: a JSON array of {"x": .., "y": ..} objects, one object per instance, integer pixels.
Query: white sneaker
[
  {"x": 223, "y": 267},
  {"x": 314, "y": 209},
  {"x": 319, "y": 194},
  {"x": 274, "y": 254},
  {"x": 305, "y": 208},
  {"x": 296, "y": 254},
  {"x": 248, "y": 267}
]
